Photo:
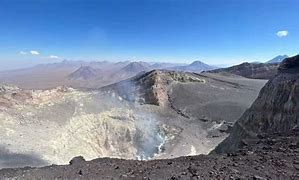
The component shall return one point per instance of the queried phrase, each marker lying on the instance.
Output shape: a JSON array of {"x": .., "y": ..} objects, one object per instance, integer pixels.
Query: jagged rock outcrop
[
  {"x": 251, "y": 70},
  {"x": 14, "y": 96},
  {"x": 291, "y": 65},
  {"x": 275, "y": 110},
  {"x": 154, "y": 85},
  {"x": 151, "y": 87}
]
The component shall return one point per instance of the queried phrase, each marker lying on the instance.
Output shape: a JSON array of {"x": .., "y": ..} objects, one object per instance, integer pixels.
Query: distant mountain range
[
  {"x": 125, "y": 69},
  {"x": 100, "y": 73},
  {"x": 254, "y": 70},
  {"x": 163, "y": 65},
  {"x": 196, "y": 66}
]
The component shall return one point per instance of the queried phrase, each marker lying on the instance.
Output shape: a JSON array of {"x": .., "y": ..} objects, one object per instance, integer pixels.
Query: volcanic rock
[
  {"x": 77, "y": 160},
  {"x": 290, "y": 65},
  {"x": 275, "y": 110}
]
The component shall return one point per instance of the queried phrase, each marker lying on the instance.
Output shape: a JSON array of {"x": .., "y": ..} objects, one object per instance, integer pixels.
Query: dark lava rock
[
  {"x": 80, "y": 172},
  {"x": 289, "y": 65},
  {"x": 77, "y": 160}
]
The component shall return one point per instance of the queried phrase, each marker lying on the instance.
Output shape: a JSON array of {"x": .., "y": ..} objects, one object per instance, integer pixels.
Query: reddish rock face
[{"x": 151, "y": 87}]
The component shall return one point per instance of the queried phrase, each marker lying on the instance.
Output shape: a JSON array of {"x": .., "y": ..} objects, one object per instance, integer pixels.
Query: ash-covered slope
[
  {"x": 251, "y": 70},
  {"x": 213, "y": 101},
  {"x": 275, "y": 110},
  {"x": 55, "y": 125}
]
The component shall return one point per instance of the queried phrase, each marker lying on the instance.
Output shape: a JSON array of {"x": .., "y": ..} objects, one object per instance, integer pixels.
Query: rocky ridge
[
  {"x": 12, "y": 96},
  {"x": 151, "y": 87},
  {"x": 251, "y": 70}
]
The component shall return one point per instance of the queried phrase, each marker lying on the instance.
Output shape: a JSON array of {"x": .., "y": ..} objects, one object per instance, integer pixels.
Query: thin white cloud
[
  {"x": 23, "y": 53},
  {"x": 53, "y": 57},
  {"x": 36, "y": 53},
  {"x": 282, "y": 33},
  {"x": 32, "y": 52}
]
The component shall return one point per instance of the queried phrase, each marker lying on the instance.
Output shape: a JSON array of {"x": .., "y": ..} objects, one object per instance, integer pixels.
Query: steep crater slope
[
  {"x": 275, "y": 110},
  {"x": 151, "y": 87},
  {"x": 57, "y": 124},
  {"x": 219, "y": 98}
]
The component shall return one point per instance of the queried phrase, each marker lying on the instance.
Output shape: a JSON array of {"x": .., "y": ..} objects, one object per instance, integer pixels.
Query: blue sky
[{"x": 216, "y": 32}]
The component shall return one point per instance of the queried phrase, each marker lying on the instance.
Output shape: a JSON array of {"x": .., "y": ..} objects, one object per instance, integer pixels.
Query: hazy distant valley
[{"x": 80, "y": 74}]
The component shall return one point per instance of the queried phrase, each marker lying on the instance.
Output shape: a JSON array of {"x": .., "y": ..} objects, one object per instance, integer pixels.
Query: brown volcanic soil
[{"x": 275, "y": 156}]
